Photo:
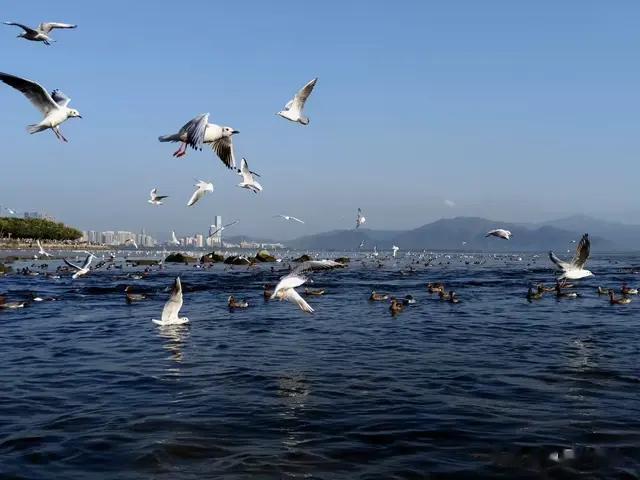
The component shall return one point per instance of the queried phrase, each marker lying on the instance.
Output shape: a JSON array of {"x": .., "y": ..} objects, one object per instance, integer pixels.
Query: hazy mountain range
[{"x": 450, "y": 233}]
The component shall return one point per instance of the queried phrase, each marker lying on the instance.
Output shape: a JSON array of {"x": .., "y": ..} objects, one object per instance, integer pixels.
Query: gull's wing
[
  {"x": 292, "y": 280},
  {"x": 294, "y": 297},
  {"x": 197, "y": 195},
  {"x": 174, "y": 304},
  {"x": 39, "y": 244},
  {"x": 194, "y": 130},
  {"x": 582, "y": 252},
  {"x": 301, "y": 97},
  {"x": 160, "y": 197},
  {"x": 87, "y": 261},
  {"x": 36, "y": 94},
  {"x": 224, "y": 149},
  {"x": 72, "y": 265},
  {"x": 153, "y": 193},
  {"x": 297, "y": 219},
  {"x": 24, "y": 27},
  {"x": 60, "y": 98},
  {"x": 559, "y": 263},
  {"x": 314, "y": 265},
  {"x": 232, "y": 223},
  {"x": 245, "y": 172},
  {"x": 48, "y": 26}
]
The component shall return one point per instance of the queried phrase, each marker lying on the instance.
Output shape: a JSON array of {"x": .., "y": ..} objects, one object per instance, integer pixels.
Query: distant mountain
[
  {"x": 460, "y": 233},
  {"x": 625, "y": 237}
]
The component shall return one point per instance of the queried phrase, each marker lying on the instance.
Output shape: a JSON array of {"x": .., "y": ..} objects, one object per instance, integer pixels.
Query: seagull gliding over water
[
  {"x": 575, "y": 270},
  {"x": 293, "y": 109}
]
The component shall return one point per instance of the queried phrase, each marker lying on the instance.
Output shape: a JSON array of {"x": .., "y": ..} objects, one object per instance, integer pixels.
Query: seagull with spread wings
[
  {"x": 293, "y": 109},
  {"x": 172, "y": 308},
  {"x": 80, "y": 270},
  {"x": 53, "y": 106},
  {"x": 41, "y": 32},
  {"x": 288, "y": 217},
  {"x": 574, "y": 270},
  {"x": 41, "y": 250},
  {"x": 360, "y": 218},
  {"x": 285, "y": 290},
  {"x": 201, "y": 191},
  {"x": 154, "y": 198},
  {"x": 248, "y": 181},
  {"x": 500, "y": 233},
  {"x": 198, "y": 131}
]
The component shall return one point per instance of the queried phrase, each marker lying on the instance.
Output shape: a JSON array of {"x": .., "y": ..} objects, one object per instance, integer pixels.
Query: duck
[
  {"x": 453, "y": 298},
  {"x": 537, "y": 295},
  {"x": 38, "y": 298},
  {"x": 618, "y": 301},
  {"x": 378, "y": 297},
  {"x": 133, "y": 297},
  {"x": 435, "y": 287},
  {"x": 268, "y": 291},
  {"x": 233, "y": 303},
  {"x": 543, "y": 289},
  {"x": 628, "y": 291},
  {"x": 603, "y": 291},
  {"x": 12, "y": 305},
  {"x": 312, "y": 292},
  {"x": 444, "y": 296},
  {"x": 408, "y": 300},
  {"x": 396, "y": 306}
]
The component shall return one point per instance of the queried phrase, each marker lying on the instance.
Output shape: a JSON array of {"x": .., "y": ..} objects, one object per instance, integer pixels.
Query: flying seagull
[
  {"x": 288, "y": 217},
  {"x": 247, "y": 178},
  {"x": 203, "y": 188},
  {"x": 293, "y": 109},
  {"x": 172, "y": 307},
  {"x": 41, "y": 32},
  {"x": 53, "y": 107},
  {"x": 41, "y": 250},
  {"x": 174, "y": 240},
  {"x": 11, "y": 211},
  {"x": 575, "y": 270},
  {"x": 80, "y": 270},
  {"x": 285, "y": 290},
  {"x": 395, "y": 250},
  {"x": 500, "y": 233},
  {"x": 154, "y": 198},
  {"x": 360, "y": 218},
  {"x": 198, "y": 131},
  {"x": 132, "y": 242},
  {"x": 213, "y": 230}
]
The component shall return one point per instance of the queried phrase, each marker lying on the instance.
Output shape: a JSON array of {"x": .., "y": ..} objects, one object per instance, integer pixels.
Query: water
[{"x": 488, "y": 388}]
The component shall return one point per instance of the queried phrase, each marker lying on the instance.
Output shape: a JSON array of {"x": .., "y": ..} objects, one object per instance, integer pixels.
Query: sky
[{"x": 514, "y": 111}]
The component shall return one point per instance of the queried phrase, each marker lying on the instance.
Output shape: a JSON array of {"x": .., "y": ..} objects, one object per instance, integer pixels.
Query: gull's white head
[
  {"x": 73, "y": 113},
  {"x": 228, "y": 131}
]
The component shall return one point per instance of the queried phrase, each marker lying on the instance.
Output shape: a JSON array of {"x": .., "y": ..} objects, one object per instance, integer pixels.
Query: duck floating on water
[
  {"x": 537, "y": 295},
  {"x": 618, "y": 301},
  {"x": 435, "y": 287},
  {"x": 628, "y": 291},
  {"x": 133, "y": 297},
  {"x": 378, "y": 297},
  {"x": 312, "y": 292},
  {"x": 396, "y": 306},
  {"x": 233, "y": 303}
]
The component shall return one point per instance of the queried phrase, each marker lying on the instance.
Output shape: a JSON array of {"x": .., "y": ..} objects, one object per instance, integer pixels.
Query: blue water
[{"x": 487, "y": 388}]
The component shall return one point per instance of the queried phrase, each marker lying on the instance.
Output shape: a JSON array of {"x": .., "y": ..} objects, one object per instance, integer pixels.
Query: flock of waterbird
[{"x": 197, "y": 133}]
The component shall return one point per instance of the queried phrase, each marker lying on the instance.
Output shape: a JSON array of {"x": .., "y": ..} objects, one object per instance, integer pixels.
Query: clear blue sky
[{"x": 513, "y": 110}]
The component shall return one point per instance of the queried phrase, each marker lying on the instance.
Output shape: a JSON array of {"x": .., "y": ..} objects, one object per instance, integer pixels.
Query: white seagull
[
  {"x": 285, "y": 289},
  {"x": 293, "y": 109},
  {"x": 154, "y": 198},
  {"x": 395, "y": 250},
  {"x": 360, "y": 218},
  {"x": 41, "y": 32},
  {"x": 53, "y": 107},
  {"x": 80, "y": 270},
  {"x": 213, "y": 230},
  {"x": 174, "y": 240},
  {"x": 289, "y": 217},
  {"x": 500, "y": 233},
  {"x": 172, "y": 308},
  {"x": 198, "y": 131},
  {"x": 203, "y": 188},
  {"x": 41, "y": 250},
  {"x": 132, "y": 242},
  {"x": 11, "y": 211},
  {"x": 575, "y": 270},
  {"x": 247, "y": 178}
]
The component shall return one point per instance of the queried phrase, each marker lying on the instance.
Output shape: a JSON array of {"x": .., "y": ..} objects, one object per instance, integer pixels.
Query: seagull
[
  {"x": 395, "y": 250},
  {"x": 41, "y": 250},
  {"x": 288, "y": 217},
  {"x": 575, "y": 270},
  {"x": 500, "y": 233},
  {"x": 11, "y": 211},
  {"x": 199, "y": 131},
  {"x": 293, "y": 109},
  {"x": 172, "y": 308},
  {"x": 362, "y": 244},
  {"x": 203, "y": 188},
  {"x": 154, "y": 198},
  {"x": 285, "y": 290},
  {"x": 132, "y": 242},
  {"x": 53, "y": 107},
  {"x": 174, "y": 240},
  {"x": 221, "y": 228},
  {"x": 41, "y": 32},
  {"x": 247, "y": 178},
  {"x": 360, "y": 218},
  {"x": 84, "y": 269}
]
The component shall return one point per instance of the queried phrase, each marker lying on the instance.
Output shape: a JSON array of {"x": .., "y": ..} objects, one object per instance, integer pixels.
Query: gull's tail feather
[
  {"x": 35, "y": 128},
  {"x": 169, "y": 138},
  {"x": 304, "y": 120}
]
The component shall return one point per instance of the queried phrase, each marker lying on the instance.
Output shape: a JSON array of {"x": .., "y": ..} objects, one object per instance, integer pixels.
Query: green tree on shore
[{"x": 36, "y": 228}]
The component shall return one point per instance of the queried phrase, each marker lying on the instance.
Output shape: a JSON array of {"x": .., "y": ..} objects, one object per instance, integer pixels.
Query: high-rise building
[
  {"x": 216, "y": 239},
  {"x": 108, "y": 237},
  {"x": 199, "y": 240}
]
